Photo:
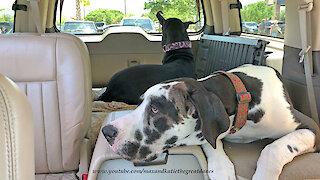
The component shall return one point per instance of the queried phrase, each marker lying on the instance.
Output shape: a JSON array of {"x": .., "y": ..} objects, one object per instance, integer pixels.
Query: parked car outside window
[
  {"x": 6, "y": 27},
  {"x": 79, "y": 27},
  {"x": 101, "y": 26},
  {"x": 264, "y": 14},
  {"x": 143, "y": 22},
  {"x": 250, "y": 27}
]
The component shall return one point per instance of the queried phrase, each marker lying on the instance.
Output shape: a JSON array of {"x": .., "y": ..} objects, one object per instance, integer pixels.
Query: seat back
[
  {"x": 224, "y": 53},
  {"x": 53, "y": 70},
  {"x": 16, "y": 133}
]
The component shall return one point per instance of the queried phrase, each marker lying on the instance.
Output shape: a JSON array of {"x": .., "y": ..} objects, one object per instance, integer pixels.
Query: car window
[
  {"x": 107, "y": 14},
  {"x": 262, "y": 17},
  {"x": 6, "y": 17}
]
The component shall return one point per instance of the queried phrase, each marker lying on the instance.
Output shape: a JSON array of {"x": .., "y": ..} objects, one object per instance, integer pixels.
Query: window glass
[
  {"x": 78, "y": 16},
  {"x": 263, "y": 17},
  {"x": 6, "y": 17}
]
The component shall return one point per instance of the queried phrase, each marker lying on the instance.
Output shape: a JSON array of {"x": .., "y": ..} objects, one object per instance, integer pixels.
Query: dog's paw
[
  {"x": 264, "y": 176},
  {"x": 223, "y": 170}
]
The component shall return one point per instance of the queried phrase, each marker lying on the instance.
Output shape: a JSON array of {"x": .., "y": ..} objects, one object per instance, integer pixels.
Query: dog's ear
[
  {"x": 192, "y": 99},
  {"x": 181, "y": 99},
  {"x": 186, "y": 24},
  {"x": 160, "y": 17},
  {"x": 212, "y": 113}
]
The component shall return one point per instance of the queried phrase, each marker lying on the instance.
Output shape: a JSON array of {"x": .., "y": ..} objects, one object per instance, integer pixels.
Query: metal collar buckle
[
  {"x": 234, "y": 129},
  {"x": 243, "y": 97}
]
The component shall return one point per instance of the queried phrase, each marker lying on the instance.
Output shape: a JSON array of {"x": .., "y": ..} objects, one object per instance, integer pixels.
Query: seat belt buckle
[
  {"x": 301, "y": 58},
  {"x": 302, "y": 54}
]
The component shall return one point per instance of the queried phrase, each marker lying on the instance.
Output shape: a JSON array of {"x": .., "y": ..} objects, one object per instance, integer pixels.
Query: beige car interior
[
  {"x": 16, "y": 132},
  {"x": 44, "y": 124},
  {"x": 57, "y": 82}
]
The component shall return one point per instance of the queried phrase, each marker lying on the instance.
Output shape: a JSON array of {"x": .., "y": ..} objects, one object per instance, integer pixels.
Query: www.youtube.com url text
[{"x": 153, "y": 171}]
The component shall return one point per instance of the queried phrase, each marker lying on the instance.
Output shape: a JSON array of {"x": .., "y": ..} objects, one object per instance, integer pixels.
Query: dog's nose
[{"x": 110, "y": 133}]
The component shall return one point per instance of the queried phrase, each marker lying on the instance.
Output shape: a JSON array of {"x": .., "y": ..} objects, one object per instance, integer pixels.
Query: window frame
[{"x": 150, "y": 33}]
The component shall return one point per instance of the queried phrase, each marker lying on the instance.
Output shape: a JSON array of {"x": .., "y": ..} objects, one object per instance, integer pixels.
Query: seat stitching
[
  {"x": 7, "y": 137},
  {"x": 44, "y": 128},
  {"x": 58, "y": 99},
  {"x": 11, "y": 136}
]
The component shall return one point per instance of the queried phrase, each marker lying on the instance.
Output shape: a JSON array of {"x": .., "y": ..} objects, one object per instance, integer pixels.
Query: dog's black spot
[
  {"x": 296, "y": 149},
  {"x": 130, "y": 148},
  {"x": 161, "y": 124},
  {"x": 182, "y": 123},
  {"x": 144, "y": 152},
  {"x": 167, "y": 147},
  {"x": 187, "y": 108},
  {"x": 256, "y": 116},
  {"x": 148, "y": 120},
  {"x": 198, "y": 125},
  {"x": 201, "y": 139},
  {"x": 166, "y": 87},
  {"x": 151, "y": 158},
  {"x": 138, "y": 135},
  {"x": 290, "y": 148},
  {"x": 199, "y": 135},
  {"x": 187, "y": 136},
  {"x": 182, "y": 145},
  {"x": 195, "y": 115},
  {"x": 172, "y": 140},
  {"x": 166, "y": 107},
  {"x": 152, "y": 135}
]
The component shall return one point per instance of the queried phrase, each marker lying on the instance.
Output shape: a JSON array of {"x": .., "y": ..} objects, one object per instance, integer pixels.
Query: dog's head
[
  {"x": 171, "y": 114},
  {"x": 173, "y": 29}
]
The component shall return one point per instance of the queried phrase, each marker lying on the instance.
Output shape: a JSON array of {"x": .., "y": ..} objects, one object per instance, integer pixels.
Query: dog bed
[{"x": 100, "y": 110}]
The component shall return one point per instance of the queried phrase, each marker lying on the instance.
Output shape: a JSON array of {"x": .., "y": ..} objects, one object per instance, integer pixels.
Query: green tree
[
  {"x": 63, "y": 20},
  {"x": 6, "y": 17},
  {"x": 283, "y": 15},
  {"x": 108, "y": 16},
  {"x": 78, "y": 9},
  {"x": 186, "y": 10},
  {"x": 256, "y": 12}
]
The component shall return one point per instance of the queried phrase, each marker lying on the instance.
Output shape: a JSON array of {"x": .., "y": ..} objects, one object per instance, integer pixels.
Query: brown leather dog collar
[{"x": 243, "y": 99}]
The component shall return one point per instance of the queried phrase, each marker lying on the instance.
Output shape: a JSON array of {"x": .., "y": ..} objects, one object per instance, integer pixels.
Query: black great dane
[
  {"x": 201, "y": 112},
  {"x": 129, "y": 84}
]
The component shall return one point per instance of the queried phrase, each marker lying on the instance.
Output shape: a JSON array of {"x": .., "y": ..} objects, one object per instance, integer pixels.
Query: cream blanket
[{"x": 100, "y": 110}]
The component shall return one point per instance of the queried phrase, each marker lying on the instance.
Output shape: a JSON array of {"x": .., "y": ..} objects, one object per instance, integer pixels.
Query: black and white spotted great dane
[{"x": 200, "y": 112}]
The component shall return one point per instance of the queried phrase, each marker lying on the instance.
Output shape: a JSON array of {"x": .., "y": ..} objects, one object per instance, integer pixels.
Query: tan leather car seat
[
  {"x": 16, "y": 133},
  {"x": 53, "y": 70}
]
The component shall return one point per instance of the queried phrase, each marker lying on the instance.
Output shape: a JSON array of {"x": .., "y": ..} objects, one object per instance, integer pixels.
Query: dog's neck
[
  {"x": 177, "y": 45},
  {"x": 223, "y": 88},
  {"x": 184, "y": 54}
]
